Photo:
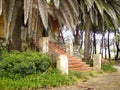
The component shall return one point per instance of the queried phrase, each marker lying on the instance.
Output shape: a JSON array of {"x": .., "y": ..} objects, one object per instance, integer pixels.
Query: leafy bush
[
  {"x": 19, "y": 64},
  {"x": 108, "y": 67}
]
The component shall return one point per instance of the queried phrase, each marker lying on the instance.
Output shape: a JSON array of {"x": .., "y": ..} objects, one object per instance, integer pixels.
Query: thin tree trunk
[
  {"x": 94, "y": 44},
  {"x": 105, "y": 48},
  {"x": 81, "y": 39},
  {"x": 87, "y": 37},
  {"x": 102, "y": 45},
  {"x": 109, "y": 56},
  {"x": 77, "y": 36},
  {"x": 117, "y": 47}
]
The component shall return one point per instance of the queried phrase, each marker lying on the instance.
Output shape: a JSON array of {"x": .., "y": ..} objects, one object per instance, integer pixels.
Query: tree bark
[
  {"x": 81, "y": 39},
  {"x": 117, "y": 47},
  {"x": 94, "y": 44},
  {"x": 77, "y": 36},
  {"x": 105, "y": 48},
  {"x": 16, "y": 43},
  {"x": 87, "y": 37},
  {"x": 109, "y": 56},
  {"x": 102, "y": 45}
]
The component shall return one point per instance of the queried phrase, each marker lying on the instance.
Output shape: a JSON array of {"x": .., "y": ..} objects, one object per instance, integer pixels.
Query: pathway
[
  {"x": 103, "y": 82},
  {"x": 109, "y": 81}
]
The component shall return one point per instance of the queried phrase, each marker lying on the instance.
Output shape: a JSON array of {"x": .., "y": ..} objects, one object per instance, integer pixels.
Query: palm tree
[
  {"x": 99, "y": 13},
  {"x": 36, "y": 16}
]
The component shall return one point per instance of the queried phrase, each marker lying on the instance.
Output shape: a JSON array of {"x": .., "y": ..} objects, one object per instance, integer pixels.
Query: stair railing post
[
  {"x": 62, "y": 63},
  {"x": 44, "y": 44}
]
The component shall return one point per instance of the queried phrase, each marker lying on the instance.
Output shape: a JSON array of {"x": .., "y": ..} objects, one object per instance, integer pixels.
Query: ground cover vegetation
[{"x": 33, "y": 70}]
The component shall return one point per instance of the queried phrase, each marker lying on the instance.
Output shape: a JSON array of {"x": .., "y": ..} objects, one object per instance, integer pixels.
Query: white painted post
[
  {"x": 44, "y": 44},
  {"x": 69, "y": 46},
  {"x": 97, "y": 61},
  {"x": 62, "y": 64}
]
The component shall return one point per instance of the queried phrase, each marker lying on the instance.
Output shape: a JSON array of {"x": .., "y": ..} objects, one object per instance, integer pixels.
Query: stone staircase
[{"x": 75, "y": 63}]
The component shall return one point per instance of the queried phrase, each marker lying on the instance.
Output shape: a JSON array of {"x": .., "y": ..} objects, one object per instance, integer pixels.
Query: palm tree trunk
[
  {"x": 16, "y": 43},
  {"x": 87, "y": 37}
]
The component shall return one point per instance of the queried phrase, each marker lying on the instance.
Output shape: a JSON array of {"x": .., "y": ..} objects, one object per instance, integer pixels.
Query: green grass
[
  {"x": 52, "y": 78},
  {"x": 108, "y": 67}
]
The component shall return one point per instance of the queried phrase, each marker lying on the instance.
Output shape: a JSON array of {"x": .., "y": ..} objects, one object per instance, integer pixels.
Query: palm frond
[
  {"x": 26, "y": 10},
  {"x": 10, "y": 13},
  {"x": 1, "y": 7},
  {"x": 42, "y": 5},
  {"x": 57, "y": 3},
  {"x": 74, "y": 5}
]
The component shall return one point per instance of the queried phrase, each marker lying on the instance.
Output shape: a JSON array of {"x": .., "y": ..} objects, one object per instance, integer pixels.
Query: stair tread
[{"x": 74, "y": 63}]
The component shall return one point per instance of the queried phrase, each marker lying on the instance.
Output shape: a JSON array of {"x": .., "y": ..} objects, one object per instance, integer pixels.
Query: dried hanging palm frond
[
  {"x": 67, "y": 20},
  {"x": 10, "y": 12},
  {"x": 30, "y": 19},
  {"x": 69, "y": 16},
  {"x": 60, "y": 16},
  {"x": 5, "y": 15},
  {"x": 8, "y": 6},
  {"x": 57, "y": 3},
  {"x": 74, "y": 5},
  {"x": 42, "y": 5},
  {"x": 1, "y": 7},
  {"x": 27, "y": 4},
  {"x": 68, "y": 11}
]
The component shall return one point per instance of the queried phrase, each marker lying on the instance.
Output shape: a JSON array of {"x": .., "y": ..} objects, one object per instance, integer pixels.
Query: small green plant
[
  {"x": 90, "y": 62},
  {"x": 108, "y": 67}
]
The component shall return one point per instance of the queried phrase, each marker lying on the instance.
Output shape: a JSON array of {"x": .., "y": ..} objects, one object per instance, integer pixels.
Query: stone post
[
  {"x": 69, "y": 46},
  {"x": 62, "y": 64},
  {"x": 97, "y": 61},
  {"x": 44, "y": 44}
]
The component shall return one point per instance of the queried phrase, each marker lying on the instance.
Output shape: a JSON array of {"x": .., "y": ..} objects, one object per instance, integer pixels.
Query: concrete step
[{"x": 74, "y": 63}]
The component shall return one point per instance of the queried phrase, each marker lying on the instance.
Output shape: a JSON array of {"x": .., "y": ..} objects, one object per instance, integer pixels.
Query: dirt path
[{"x": 102, "y": 82}]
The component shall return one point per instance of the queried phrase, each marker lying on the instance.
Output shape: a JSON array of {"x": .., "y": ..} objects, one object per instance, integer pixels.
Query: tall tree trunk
[
  {"x": 109, "y": 56},
  {"x": 102, "y": 45},
  {"x": 94, "y": 44},
  {"x": 16, "y": 43},
  {"x": 77, "y": 36},
  {"x": 87, "y": 37},
  {"x": 105, "y": 48},
  {"x": 81, "y": 39},
  {"x": 117, "y": 46}
]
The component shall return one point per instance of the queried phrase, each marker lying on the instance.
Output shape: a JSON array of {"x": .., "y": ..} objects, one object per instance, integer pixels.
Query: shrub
[
  {"x": 19, "y": 64},
  {"x": 108, "y": 67}
]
